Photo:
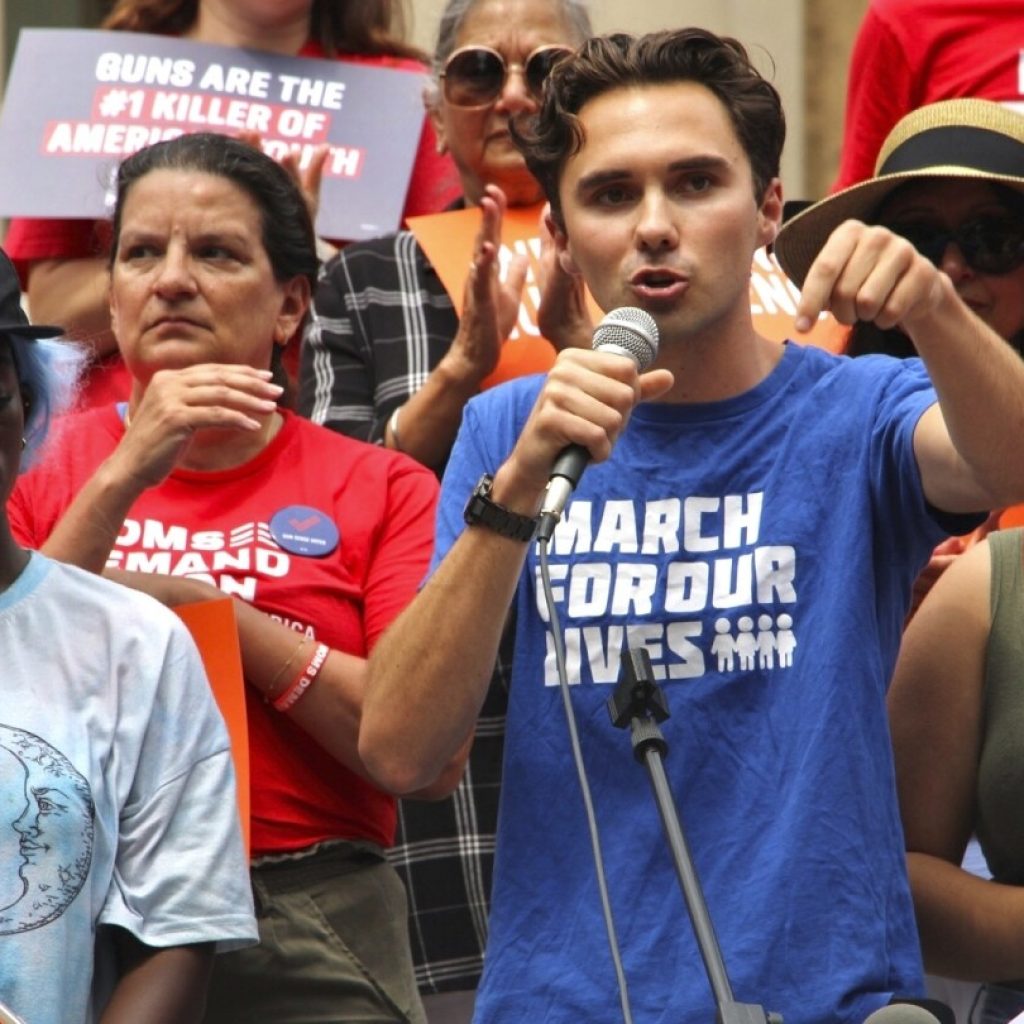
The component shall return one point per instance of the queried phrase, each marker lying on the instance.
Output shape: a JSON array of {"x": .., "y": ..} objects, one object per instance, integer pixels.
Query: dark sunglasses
[
  {"x": 475, "y": 75},
  {"x": 990, "y": 245}
]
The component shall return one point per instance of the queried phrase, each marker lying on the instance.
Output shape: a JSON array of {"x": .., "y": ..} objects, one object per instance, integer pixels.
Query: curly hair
[{"x": 604, "y": 63}]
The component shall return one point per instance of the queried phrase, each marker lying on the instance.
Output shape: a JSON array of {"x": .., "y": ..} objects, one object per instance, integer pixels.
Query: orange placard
[
  {"x": 447, "y": 239},
  {"x": 213, "y": 627},
  {"x": 773, "y": 299},
  {"x": 1011, "y": 517}
]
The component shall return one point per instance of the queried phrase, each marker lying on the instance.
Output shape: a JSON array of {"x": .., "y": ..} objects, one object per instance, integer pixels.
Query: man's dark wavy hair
[{"x": 604, "y": 63}]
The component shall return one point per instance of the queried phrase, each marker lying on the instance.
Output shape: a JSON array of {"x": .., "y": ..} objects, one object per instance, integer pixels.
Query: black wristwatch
[{"x": 482, "y": 511}]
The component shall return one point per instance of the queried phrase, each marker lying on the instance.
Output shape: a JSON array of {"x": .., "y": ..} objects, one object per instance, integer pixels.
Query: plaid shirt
[
  {"x": 381, "y": 322},
  {"x": 445, "y": 853}
]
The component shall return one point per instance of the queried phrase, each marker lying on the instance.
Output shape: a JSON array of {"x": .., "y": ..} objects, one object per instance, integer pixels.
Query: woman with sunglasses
[
  {"x": 974, "y": 231},
  {"x": 388, "y": 359},
  {"x": 950, "y": 179},
  {"x": 959, "y": 201}
]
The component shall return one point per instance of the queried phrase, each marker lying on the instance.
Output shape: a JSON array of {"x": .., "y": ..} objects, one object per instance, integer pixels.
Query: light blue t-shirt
[
  {"x": 117, "y": 797},
  {"x": 762, "y": 549}
]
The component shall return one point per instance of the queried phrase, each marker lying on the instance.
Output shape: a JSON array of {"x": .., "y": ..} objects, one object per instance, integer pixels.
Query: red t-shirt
[
  {"x": 217, "y": 527},
  {"x": 909, "y": 53}
]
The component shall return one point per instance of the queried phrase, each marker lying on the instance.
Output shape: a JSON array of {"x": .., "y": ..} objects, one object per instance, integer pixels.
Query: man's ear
[
  {"x": 561, "y": 240},
  {"x": 769, "y": 214}
]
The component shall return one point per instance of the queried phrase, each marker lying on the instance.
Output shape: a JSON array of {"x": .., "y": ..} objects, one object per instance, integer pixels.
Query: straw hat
[{"x": 965, "y": 138}]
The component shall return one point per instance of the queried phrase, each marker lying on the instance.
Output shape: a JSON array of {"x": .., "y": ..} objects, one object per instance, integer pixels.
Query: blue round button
[{"x": 302, "y": 530}]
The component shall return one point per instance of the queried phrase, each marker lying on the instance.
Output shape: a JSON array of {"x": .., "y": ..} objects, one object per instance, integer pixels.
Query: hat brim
[
  {"x": 803, "y": 237},
  {"x": 33, "y": 331}
]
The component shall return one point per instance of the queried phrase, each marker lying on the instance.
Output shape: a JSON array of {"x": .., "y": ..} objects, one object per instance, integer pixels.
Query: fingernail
[{"x": 803, "y": 324}]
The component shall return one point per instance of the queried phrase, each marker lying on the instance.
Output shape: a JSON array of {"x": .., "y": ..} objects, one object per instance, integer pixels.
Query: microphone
[
  {"x": 628, "y": 332},
  {"x": 901, "y": 1013}
]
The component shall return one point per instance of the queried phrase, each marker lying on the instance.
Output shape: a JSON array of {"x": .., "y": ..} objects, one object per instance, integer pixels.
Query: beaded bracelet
[
  {"x": 303, "y": 681},
  {"x": 268, "y": 693}
]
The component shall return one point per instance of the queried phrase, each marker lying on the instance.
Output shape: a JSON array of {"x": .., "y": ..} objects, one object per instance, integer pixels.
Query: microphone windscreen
[
  {"x": 902, "y": 1013},
  {"x": 629, "y": 331}
]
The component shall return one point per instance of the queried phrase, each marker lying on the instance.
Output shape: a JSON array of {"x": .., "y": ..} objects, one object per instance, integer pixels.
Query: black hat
[
  {"x": 12, "y": 316},
  {"x": 962, "y": 138}
]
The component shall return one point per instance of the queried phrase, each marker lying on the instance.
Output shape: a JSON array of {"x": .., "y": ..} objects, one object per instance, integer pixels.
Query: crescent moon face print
[{"x": 47, "y": 828}]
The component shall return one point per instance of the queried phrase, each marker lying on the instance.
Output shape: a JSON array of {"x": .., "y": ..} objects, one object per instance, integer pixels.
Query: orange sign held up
[
  {"x": 213, "y": 627},
  {"x": 447, "y": 239}
]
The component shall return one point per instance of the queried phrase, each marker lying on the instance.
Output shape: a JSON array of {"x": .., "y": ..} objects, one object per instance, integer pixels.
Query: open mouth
[{"x": 658, "y": 282}]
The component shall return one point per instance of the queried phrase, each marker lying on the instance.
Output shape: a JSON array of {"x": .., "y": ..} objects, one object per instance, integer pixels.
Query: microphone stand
[{"x": 638, "y": 703}]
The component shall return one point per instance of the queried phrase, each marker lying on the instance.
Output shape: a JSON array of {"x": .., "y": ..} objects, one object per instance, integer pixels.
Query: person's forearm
[
  {"x": 72, "y": 293},
  {"x": 329, "y": 710},
  {"x": 274, "y": 657},
  {"x": 970, "y": 927},
  {"x": 429, "y": 420},
  {"x": 160, "y": 986},
  {"x": 979, "y": 380},
  {"x": 429, "y": 673},
  {"x": 89, "y": 527}
]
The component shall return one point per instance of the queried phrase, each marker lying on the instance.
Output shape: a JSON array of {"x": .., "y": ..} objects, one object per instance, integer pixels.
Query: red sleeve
[
  {"x": 403, "y": 549},
  {"x": 434, "y": 184},
  {"x": 879, "y": 93},
  {"x": 38, "y": 238},
  {"x": 46, "y": 238},
  {"x": 36, "y": 502},
  {"x": 76, "y": 445}
]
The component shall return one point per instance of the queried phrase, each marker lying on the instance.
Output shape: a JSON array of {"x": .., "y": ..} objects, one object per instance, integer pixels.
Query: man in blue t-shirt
[{"x": 754, "y": 517}]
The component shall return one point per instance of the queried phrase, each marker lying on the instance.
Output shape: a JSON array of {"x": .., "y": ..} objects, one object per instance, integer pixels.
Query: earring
[{"x": 23, "y": 443}]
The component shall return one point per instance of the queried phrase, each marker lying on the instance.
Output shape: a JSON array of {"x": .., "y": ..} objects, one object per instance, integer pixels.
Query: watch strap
[{"x": 482, "y": 510}]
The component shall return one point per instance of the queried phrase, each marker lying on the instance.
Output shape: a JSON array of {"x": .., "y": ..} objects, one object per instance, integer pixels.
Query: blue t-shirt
[{"x": 762, "y": 549}]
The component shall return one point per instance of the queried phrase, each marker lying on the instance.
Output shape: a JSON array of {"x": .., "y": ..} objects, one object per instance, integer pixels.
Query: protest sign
[
  {"x": 63, "y": 135},
  {"x": 215, "y": 631}
]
